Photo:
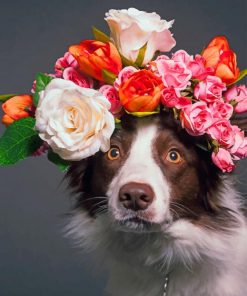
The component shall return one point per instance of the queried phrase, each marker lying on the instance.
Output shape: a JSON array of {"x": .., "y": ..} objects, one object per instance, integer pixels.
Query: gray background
[{"x": 35, "y": 259}]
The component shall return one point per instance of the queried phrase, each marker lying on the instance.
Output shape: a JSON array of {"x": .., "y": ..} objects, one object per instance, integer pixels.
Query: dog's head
[{"x": 153, "y": 175}]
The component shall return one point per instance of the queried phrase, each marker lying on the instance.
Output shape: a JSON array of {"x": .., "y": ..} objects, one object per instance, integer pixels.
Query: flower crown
[{"x": 72, "y": 113}]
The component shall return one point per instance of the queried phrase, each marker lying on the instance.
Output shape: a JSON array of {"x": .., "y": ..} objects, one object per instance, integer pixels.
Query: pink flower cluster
[
  {"x": 202, "y": 101},
  {"x": 204, "y": 104}
]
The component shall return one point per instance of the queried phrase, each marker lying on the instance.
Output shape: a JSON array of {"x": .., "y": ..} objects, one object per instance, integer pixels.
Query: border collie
[{"x": 161, "y": 215}]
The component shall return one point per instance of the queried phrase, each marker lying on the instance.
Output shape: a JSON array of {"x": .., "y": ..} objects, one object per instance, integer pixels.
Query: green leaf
[
  {"x": 100, "y": 36},
  {"x": 126, "y": 62},
  {"x": 4, "y": 98},
  {"x": 108, "y": 76},
  {"x": 141, "y": 55},
  {"x": 62, "y": 164},
  {"x": 42, "y": 80},
  {"x": 242, "y": 74},
  {"x": 142, "y": 114},
  {"x": 19, "y": 141}
]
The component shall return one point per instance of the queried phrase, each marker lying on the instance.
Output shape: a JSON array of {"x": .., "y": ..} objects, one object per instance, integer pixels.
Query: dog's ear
[
  {"x": 241, "y": 122},
  {"x": 76, "y": 175}
]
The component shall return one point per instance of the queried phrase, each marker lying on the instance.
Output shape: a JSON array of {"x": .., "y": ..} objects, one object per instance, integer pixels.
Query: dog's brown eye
[
  {"x": 113, "y": 153},
  {"x": 173, "y": 156}
]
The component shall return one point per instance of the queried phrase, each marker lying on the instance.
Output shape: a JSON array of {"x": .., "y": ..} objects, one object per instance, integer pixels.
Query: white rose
[
  {"x": 73, "y": 120},
  {"x": 131, "y": 29}
]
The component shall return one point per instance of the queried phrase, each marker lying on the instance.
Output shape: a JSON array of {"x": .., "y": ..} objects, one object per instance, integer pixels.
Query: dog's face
[{"x": 152, "y": 176}]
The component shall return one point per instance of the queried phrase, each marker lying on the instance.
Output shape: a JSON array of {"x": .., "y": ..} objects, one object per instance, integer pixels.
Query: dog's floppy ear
[{"x": 241, "y": 122}]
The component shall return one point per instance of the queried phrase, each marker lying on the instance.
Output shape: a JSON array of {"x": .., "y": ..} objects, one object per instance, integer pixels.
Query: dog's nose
[{"x": 136, "y": 196}]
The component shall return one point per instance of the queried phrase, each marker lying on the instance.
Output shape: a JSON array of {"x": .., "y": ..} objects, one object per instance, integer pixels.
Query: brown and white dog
[{"x": 159, "y": 212}]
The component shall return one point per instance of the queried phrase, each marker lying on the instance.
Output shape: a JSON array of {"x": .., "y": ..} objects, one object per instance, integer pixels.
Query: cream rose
[
  {"x": 131, "y": 29},
  {"x": 73, "y": 120}
]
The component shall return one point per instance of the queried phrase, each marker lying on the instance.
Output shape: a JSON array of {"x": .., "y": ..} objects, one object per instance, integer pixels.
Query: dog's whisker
[{"x": 183, "y": 208}]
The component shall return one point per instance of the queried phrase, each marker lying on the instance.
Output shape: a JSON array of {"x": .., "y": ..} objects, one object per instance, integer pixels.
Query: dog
[{"x": 165, "y": 220}]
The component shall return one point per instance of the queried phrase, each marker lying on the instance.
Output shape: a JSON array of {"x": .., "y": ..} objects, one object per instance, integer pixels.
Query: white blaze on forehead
[{"x": 141, "y": 167}]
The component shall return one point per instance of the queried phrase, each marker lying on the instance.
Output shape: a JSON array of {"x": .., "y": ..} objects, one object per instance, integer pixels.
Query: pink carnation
[
  {"x": 210, "y": 89},
  {"x": 173, "y": 73},
  {"x": 124, "y": 75},
  {"x": 223, "y": 160},
  {"x": 221, "y": 110},
  {"x": 222, "y": 131},
  {"x": 78, "y": 78},
  {"x": 239, "y": 94},
  {"x": 64, "y": 62},
  {"x": 172, "y": 98},
  {"x": 196, "y": 118},
  {"x": 112, "y": 95}
]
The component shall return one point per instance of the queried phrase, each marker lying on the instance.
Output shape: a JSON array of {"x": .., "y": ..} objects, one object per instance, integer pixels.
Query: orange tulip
[
  {"x": 219, "y": 56},
  {"x": 16, "y": 108},
  {"x": 141, "y": 92},
  {"x": 94, "y": 56}
]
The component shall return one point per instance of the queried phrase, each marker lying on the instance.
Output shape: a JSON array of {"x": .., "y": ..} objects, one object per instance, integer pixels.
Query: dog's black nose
[{"x": 136, "y": 196}]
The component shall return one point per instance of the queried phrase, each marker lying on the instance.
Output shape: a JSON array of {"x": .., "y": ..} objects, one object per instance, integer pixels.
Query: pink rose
[
  {"x": 221, "y": 110},
  {"x": 239, "y": 94},
  {"x": 124, "y": 75},
  {"x": 182, "y": 56},
  {"x": 210, "y": 89},
  {"x": 171, "y": 98},
  {"x": 196, "y": 118},
  {"x": 239, "y": 149},
  {"x": 78, "y": 78},
  {"x": 223, "y": 160},
  {"x": 242, "y": 150},
  {"x": 65, "y": 62},
  {"x": 112, "y": 95},
  {"x": 198, "y": 69},
  {"x": 173, "y": 73},
  {"x": 222, "y": 131}
]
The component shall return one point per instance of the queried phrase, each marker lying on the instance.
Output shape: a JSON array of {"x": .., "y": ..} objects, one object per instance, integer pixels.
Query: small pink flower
[
  {"x": 78, "y": 78},
  {"x": 239, "y": 149},
  {"x": 65, "y": 62},
  {"x": 223, "y": 160},
  {"x": 221, "y": 110},
  {"x": 239, "y": 94},
  {"x": 112, "y": 95},
  {"x": 210, "y": 89},
  {"x": 124, "y": 75},
  {"x": 171, "y": 98},
  {"x": 242, "y": 150},
  {"x": 182, "y": 56},
  {"x": 41, "y": 150},
  {"x": 198, "y": 69},
  {"x": 196, "y": 118},
  {"x": 173, "y": 73},
  {"x": 222, "y": 131}
]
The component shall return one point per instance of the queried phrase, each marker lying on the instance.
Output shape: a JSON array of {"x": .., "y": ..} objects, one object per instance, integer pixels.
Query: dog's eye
[
  {"x": 113, "y": 153},
  {"x": 174, "y": 156}
]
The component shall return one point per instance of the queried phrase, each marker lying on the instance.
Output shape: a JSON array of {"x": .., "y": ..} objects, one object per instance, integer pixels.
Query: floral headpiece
[{"x": 72, "y": 113}]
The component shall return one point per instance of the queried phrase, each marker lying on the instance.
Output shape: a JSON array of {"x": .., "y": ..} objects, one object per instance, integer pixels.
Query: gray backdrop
[{"x": 35, "y": 259}]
